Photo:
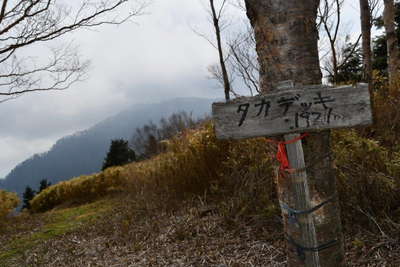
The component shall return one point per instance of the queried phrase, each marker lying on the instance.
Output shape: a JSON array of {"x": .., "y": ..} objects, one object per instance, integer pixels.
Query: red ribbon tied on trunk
[{"x": 281, "y": 154}]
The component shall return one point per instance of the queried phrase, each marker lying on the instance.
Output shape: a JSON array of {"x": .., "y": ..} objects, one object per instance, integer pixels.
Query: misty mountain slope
[{"x": 83, "y": 152}]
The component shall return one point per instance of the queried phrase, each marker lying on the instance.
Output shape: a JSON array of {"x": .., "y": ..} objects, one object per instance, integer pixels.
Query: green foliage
[
  {"x": 379, "y": 51},
  {"x": 28, "y": 195},
  {"x": 8, "y": 202},
  {"x": 352, "y": 70},
  {"x": 43, "y": 185},
  {"x": 119, "y": 154}
]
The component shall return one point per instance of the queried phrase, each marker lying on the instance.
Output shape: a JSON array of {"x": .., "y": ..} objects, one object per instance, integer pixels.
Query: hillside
[
  {"x": 202, "y": 203},
  {"x": 83, "y": 152}
]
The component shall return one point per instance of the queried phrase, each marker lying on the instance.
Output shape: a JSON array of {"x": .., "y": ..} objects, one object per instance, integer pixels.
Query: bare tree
[
  {"x": 326, "y": 12},
  {"x": 241, "y": 62},
  {"x": 237, "y": 57},
  {"x": 216, "y": 16},
  {"x": 375, "y": 7},
  {"x": 243, "y": 59},
  {"x": 28, "y": 23},
  {"x": 147, "y": 140},
  {"x": 330, "y": 18},
  {"x": 391, "y": 39}
]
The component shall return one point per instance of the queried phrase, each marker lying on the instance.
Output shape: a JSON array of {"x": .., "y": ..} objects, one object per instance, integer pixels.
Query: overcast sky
[{"x": 156, "y": 58}]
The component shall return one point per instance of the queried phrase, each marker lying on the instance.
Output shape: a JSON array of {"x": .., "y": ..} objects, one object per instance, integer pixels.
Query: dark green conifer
[
  {"x": 119, "y": 154},
  {"x": 43, "y": 185},
  {"x": 28, "y": 195}
]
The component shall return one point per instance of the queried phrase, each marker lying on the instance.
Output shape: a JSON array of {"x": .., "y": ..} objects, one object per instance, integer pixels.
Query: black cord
[
  {"x": 293, "y": 213},
  {"x": 301, "y": 249}
]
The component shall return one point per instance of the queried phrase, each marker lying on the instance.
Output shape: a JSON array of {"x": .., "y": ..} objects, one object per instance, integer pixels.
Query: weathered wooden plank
[{"x": 293, "y": 111}]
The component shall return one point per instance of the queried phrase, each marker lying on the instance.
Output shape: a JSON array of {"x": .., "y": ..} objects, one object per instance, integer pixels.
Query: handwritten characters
[
  {"x": 293, "y": 109},
  {"x": 286, "y": 102}
]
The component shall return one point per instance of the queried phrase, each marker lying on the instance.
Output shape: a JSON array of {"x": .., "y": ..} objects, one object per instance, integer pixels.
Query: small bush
[
  {"x": 386, "y": 102},
  {"x": 8, "y": 202},
  {"x": 368, "y": 178},
  {"x": 80, "y": 189}
]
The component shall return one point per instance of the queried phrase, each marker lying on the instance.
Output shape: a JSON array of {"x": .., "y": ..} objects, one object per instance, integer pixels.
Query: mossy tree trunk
[{"x": 287, "y": 47}]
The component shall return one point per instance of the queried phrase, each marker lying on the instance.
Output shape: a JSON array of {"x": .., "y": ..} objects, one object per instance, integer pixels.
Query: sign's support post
[{"x": 296, "y": 185}]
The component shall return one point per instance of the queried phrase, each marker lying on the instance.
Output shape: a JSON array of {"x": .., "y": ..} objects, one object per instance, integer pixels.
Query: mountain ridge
[{"x": 82, "y": 153}]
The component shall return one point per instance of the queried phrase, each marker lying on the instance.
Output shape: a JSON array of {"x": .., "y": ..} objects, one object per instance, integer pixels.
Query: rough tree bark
[
  {"x": 287, "y": 48},
  {"x": 392, "y": 42},
  {"x": 366, "y": 24}
]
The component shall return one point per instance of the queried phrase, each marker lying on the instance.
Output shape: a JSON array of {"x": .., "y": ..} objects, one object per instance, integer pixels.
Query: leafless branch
[
  {"x": 353, "y": 49},
  {"x": 244, "y": 61},
  {"x": 25, "y": 23},
  {"x": 375, "y": 9}
]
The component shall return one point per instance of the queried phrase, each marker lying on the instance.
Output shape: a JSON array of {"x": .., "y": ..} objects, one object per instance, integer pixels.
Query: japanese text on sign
[
  {"x": 293, "y": 111},
  {"x": 306, "y": 114}
]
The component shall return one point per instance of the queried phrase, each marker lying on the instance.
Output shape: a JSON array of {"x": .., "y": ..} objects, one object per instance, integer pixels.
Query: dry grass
[
  {"x": 8, "y": 202},
  {"x": 196, "y": 233}
]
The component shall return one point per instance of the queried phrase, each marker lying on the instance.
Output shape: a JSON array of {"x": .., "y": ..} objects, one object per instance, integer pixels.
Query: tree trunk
[
  {"x": 334, "y": 63},
  {"x": 287, "y": 47},
  {"x": 392, "y": 42},
  {"x": 365, "y": 16},
  {"x": 227, "y": 86}
]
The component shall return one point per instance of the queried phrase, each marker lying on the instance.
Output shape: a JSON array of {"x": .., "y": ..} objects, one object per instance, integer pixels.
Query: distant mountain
[{"x": 83, "y": 152}]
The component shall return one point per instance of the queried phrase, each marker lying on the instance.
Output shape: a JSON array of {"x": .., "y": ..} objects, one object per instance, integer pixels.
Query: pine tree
[
  {"x": 43, "y": 185},
  {"x": 119, "y": 154},
  {"x": 352, "y": 70},
  {"x": 28, "y": 195}
]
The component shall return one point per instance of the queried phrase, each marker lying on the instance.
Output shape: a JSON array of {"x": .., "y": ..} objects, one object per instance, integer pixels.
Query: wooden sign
[
  {"x": 296, "y": 110},
  {"x": 291, "y": 111}
]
